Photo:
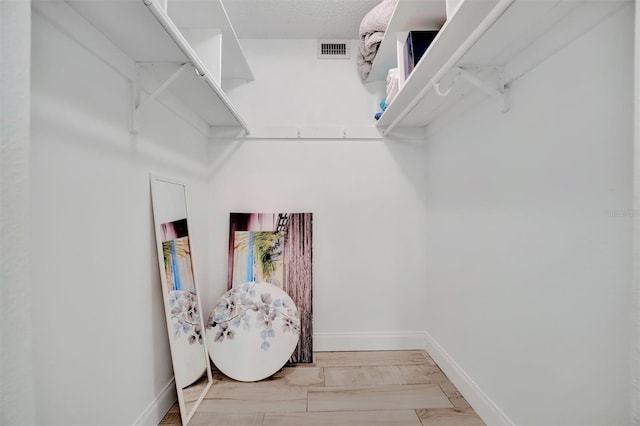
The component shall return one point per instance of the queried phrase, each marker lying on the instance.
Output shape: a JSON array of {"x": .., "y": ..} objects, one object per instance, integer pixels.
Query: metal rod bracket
[
  {"x": 137, "y": 102},
  {"x": 498, "y": 90}
]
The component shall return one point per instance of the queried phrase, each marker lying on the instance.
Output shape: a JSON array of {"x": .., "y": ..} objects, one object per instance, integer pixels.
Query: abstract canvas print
[
  {"x": 275, "y": 248},
  {"x": 177, "y": 256},
  {"x": 258, "y": 257}
]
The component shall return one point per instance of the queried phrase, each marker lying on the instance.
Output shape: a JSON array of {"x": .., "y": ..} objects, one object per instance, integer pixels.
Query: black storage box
[{"x": 415, "y": 46}]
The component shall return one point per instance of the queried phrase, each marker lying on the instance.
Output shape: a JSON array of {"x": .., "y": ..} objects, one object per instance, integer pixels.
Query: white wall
[
  {"x": 529, "y": 238},
  {"x": 292, "y": 87},
  {"x": 635, "y": 359},
  {"x": 368, "y": 218},
  {"x": 368, "y": 228},
  {"x": 16, "y": 367},
  {"x": 100, "y": 341}
]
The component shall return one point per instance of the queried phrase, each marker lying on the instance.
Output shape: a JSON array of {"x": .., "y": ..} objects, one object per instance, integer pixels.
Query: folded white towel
[
  {"x": 371, "y": 44},
  {"x": 372, "y": 29},
  {"x": 392, "y": 84},
  {"x": 364, "y": 67},
  {"x": 377, "y": 18}
]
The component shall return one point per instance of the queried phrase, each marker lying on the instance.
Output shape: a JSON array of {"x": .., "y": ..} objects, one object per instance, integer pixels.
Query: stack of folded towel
[
  {"x": 372, "y": 29},
  {"x": 392, "y": 91},
  {"x": 393, "y": 85}
]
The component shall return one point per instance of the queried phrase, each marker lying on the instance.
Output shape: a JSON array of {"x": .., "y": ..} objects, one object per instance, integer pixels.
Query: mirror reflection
[{"x": 185, "y": 327}]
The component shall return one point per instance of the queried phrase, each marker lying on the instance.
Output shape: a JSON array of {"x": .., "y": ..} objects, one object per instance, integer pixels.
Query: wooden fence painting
[{"x": 276, "y": 248}]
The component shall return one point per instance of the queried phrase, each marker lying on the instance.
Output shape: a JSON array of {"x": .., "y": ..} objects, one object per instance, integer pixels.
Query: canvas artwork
[
  {"x": 177, "y": 256},
  {"x": 252, "y": 331},
  {"x": 258, "y": 257},
  {"x": 275, "y": 248}
]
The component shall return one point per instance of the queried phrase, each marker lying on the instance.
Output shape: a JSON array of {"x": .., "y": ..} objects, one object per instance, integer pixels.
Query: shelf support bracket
[
  {"x": 138, "y": 103},
  {"x": 499, "y": 93}
]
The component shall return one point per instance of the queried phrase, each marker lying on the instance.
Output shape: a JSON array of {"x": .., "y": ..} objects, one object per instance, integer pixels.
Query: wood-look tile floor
[{"x": 390, "y": 388}]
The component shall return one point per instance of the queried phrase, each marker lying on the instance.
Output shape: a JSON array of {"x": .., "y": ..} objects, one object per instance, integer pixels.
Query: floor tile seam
[
  {"x": 385, "y": 386},
  {"x": 421, "y": 382},
  {"x": 203, "y": 412},
  {"x": 386, "y": 410},
  {"x": 274, "y": 415},
  {"x": 424, "y": 366},
  {"x": 215, "y": 401},
  {"x": 447, "y": 395},
  {"x": 231, "y": 398},
  {"x": 306, "y": 399},
  {"x": 370, "y": 410},
  {"x": 380, "y": 366},
  {"x": 415, "y": 411},
  {"x": 372, "y": 362}
]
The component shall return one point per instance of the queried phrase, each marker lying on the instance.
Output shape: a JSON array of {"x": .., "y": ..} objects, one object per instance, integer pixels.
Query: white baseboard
[
  {"x": 368, "y": 341},
  {"x": 156, "y": 411},
  {"x": 486, "y": 409}
]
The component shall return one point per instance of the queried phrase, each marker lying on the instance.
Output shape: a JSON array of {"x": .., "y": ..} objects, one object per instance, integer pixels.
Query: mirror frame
[{"x": 186, "y": 412}]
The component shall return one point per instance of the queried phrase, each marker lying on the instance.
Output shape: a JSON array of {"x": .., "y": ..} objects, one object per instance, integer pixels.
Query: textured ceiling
[{"x": 316, "y": 19}]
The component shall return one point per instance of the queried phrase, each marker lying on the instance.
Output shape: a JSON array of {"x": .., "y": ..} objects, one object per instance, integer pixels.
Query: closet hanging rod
[
  {"x": 473, "y": 38},
  {"x": 175, "y": 34}
]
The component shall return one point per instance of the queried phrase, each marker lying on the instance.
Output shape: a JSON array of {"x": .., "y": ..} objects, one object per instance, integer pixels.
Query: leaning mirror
[{"x": 189, "y": 356}]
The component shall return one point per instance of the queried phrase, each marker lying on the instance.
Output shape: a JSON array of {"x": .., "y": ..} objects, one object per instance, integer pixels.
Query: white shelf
[
  {"x": 408, "y": 15},
  {"x": 132, "y": 27},
  {"x": 517, "y": 34},
  {"x": 211, "y": 14}
]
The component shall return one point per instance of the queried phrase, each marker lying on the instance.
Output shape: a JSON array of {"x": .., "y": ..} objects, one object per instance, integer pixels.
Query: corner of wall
[
  {"x": 155, "y": 411},
  {"x": 17, "y": 394},
  {"x": 481, "y": 403},
  {"x": 635, "y": 358}
]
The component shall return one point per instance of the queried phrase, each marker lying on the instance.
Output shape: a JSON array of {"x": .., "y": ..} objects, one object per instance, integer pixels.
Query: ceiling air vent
[{"x": 334, "y": 49}]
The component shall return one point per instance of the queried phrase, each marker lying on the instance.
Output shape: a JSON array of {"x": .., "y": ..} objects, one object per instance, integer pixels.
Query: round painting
[{"x": 252, "y": 331}]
